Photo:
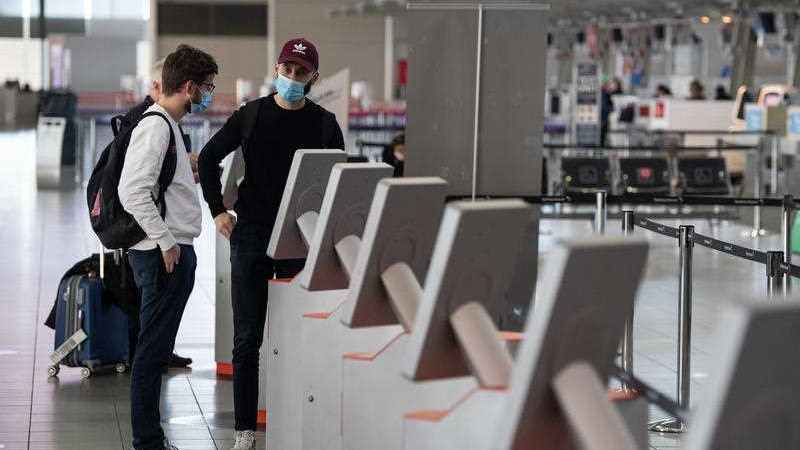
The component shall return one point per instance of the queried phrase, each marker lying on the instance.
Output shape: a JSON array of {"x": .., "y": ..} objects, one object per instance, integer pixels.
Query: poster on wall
[{"x": 333, "y": 94}]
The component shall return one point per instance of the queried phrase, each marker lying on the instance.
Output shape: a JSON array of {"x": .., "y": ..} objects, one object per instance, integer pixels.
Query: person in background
[
  {"x": 395, "y": 154},
  {"x": 285, "y": 122},
  {"x": 399, "y": 153},
  {"x": 164, "y": 262},
  {"x": 721, "y": 94},
  {"x": 609, "y": 89},
  {"x": 132, "y": 117},
  {"x": 696, "y": 90},
  {"x": 662, "y": 91}
]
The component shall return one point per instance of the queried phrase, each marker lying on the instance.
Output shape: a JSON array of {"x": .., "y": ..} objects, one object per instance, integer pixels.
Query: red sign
[
  {"x": 660, "y": 110},
  {"x": 402, "y": 72}
]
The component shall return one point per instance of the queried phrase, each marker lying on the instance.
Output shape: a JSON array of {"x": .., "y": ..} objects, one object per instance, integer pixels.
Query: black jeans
[
  {"x": 251, "y": 269},
  {"x": 164, "y": 298}
]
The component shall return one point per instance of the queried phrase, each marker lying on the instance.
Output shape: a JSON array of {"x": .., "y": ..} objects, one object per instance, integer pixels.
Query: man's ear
[
  {"x": 187, "y": 86},
  {"x": 314, "y": 79}
]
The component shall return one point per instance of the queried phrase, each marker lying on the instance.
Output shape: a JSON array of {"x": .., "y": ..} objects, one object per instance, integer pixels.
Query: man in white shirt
[{"x": 164, "y": 262}]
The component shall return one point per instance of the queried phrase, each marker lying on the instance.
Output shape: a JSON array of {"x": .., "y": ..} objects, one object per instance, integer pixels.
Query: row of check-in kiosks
[{"x": 388, "y": 338}]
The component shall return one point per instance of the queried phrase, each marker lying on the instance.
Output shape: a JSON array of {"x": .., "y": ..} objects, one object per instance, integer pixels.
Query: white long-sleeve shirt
[{"x": 138, "y": 185}]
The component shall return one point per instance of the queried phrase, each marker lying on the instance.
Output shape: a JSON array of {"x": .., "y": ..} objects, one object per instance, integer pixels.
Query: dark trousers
[
  {"x": 164, "y": 298},
  {"x": 251, "y": 269}
]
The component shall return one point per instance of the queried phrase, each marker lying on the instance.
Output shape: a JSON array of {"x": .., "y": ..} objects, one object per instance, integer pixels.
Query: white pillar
[
  {"x": 388, "y": 59},
  {"x": 151, "y": 15}
]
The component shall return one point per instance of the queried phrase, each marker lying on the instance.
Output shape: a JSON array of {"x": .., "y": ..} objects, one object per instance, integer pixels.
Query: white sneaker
[{"x": 244, "y": 440}]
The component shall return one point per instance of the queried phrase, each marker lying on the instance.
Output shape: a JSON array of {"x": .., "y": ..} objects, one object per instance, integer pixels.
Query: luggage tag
[{"x": 68, "y": 346}]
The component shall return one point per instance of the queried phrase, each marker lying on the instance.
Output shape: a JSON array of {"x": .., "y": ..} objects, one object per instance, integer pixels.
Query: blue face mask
[
  {"x": 205, "y": 102},
  {"x": 291, "y": 91}
]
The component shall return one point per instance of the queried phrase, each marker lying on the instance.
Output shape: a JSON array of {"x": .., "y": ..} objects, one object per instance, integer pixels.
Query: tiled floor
[{"x": 43, "y": 233}]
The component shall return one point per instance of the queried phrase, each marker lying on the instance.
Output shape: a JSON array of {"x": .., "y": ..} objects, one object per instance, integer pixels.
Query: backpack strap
[
  {"x": 249, "y": 113},
  {"x": 117, "y": 122},
  {"x": 168, "y": 167}
]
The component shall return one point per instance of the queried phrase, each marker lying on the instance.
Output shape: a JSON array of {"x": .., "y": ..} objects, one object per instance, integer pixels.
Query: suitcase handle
[{"x": 102, "y": 262}]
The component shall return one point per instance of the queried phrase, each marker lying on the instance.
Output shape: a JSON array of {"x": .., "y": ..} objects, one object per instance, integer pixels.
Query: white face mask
[{"x": 399, "y": 156}]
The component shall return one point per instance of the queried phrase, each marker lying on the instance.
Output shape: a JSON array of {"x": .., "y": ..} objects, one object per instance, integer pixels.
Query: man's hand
[
  {"x": 171, "y": 258},
  {"x": 193, "y": 158},
  {"x": 225, "y": 223}
]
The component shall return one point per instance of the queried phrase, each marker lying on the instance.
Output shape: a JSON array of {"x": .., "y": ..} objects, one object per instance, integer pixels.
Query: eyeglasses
[{"x": 211, "y": 87}]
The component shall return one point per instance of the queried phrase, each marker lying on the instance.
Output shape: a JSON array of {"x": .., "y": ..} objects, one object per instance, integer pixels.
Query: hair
[
  {"x": 157, "y": 68},
  {"x": 186, "y": 63},
  {"x": 400, "y": 139}
]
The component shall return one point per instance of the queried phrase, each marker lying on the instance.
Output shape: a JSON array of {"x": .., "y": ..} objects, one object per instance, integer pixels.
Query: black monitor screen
[
  {"x": 645, "y": 175},
  {"x": 588, "y": 175}
]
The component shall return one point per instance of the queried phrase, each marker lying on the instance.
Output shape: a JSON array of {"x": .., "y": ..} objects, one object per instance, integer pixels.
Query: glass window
[{"x": 15, "y": 8}]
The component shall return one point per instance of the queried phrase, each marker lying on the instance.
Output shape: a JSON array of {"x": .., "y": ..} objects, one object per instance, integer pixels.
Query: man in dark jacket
[{"x": 285, "y": 122}]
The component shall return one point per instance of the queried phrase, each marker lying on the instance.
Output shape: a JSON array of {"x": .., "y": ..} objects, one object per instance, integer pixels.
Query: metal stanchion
[
  {"x": 758, "y": 183},
  {"x": 773, "y": 167},
  {"x": 600, "y": 213},
  {"x": 786, "y": 229},
  {"x": 674, "y": 425},
  {"x": 627, "y": 337},
  {"x": 774, "y": 274}
]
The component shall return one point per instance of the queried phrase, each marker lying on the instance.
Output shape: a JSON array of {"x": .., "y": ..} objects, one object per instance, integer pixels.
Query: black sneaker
[{"x": 179, "y": 361}]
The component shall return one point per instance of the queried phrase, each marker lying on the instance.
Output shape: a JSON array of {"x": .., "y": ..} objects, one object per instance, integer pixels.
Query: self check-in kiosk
[
  {"x": 323, "y": 204},
  {"x": 752, "y": 399},
  {"x": 398, "y": 236},
  {"x": 475, "y": 252},
  {"x": 588, "y": 286}
]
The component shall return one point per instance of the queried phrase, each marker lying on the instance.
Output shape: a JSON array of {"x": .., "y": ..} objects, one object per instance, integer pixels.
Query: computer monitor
[
  {"x": 401, "y": 227},
  {"x": 645, "y": 176},
  {"x": 473, "y": 261},
  {"x": 344, "y": 210},
  {"x": 585, "y": 175},
  {"x": 305, "y": 187},
  {"x": 704, "y": 176},
  {"x": 752, "y": 397},
  {"x": 589, "y": 287}
]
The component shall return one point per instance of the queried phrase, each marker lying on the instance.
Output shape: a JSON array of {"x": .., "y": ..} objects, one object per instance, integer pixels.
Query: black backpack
[{"x": 115, "y": 227}]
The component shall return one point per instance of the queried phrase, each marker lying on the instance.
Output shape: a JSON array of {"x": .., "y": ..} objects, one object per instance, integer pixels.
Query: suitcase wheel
[
  {"x": 53, "y": 370},
  {"x": 121, "y": 368},
  {"x": 86, "y": 372}
]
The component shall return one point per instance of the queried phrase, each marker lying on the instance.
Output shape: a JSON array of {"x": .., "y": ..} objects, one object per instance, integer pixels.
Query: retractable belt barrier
[
  {"x": 653, "y": 148},
  {"x": 677, "y": 200},
  {"x": 720, "y": 246},
  {"x": 656, "y": 227},
  {"x": 652, "y": 395},
  {"x": 778, "y": 271}
]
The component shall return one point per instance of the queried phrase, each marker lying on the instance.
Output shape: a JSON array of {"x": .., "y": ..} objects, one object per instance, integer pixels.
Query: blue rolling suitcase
[{"x": 90, "y": 333}]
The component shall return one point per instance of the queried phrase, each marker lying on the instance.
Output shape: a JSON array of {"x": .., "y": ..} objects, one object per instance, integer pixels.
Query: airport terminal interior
[{"x": 566, "y": 225}]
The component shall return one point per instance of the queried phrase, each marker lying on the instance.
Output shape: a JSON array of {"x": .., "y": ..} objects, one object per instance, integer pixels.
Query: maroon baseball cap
[{"x": 302, "y": 52}]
